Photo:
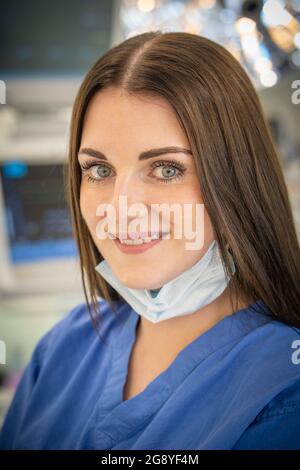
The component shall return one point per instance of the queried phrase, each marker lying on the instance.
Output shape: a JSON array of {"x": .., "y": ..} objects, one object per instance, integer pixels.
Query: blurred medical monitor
[{"x": 37, "y": 248}]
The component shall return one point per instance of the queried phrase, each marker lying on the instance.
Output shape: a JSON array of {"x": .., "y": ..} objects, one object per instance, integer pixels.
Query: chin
[{"x": 135, "y": 284}]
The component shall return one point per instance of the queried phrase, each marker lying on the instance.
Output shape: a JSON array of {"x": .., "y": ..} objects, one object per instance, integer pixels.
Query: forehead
[{"x": 115, "y": 114}]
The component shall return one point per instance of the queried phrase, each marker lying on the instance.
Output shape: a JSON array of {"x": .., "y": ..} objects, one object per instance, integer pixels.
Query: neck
[{"x": 182, "y": 329}]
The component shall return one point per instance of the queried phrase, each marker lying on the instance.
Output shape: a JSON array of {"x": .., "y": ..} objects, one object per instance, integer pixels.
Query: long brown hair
[{"x": 238, "y": 167}]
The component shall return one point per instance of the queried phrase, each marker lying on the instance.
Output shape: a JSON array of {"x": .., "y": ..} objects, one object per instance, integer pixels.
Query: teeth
[{"x": 140, "y": 241}]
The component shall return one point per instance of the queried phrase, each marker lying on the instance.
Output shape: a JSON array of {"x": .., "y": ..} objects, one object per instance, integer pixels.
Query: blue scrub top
[{"x": 236, "y": 386}]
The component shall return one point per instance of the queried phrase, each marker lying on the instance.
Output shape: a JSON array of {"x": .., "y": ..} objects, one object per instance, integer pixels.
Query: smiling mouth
[
  {"x": 136, "y": 247},
  {"x": 138, "y": 239}
]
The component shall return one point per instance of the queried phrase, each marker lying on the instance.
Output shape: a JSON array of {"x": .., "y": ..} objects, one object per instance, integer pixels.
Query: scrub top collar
[{"x": 117, "y": 417}]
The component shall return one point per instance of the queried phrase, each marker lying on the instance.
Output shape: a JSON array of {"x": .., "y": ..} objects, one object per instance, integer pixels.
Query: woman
[{"x": 198, "y": 348}]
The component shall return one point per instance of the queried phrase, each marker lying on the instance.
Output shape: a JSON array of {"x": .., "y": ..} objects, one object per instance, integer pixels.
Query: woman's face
[{"x": 121, "y": 127}]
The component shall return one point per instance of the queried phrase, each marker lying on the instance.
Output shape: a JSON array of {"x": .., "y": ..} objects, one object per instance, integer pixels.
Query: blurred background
[{"x": 46, "y": 47}]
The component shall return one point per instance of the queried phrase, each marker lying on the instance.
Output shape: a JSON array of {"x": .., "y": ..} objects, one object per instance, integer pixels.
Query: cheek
[
  {"x": 89, "y": 202},
  {"x": 88, "y": 206},
  {"x": 192, "y": 216},
  {"x": 195, "y": 220}
]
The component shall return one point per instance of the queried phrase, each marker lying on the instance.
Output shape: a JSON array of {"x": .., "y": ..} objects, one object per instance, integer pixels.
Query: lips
[
  {"x": 135, "y": 249},
  {"x": 136, "y": 236}
]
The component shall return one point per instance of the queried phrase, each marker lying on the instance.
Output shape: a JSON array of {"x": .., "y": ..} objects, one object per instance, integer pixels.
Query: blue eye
[
  {"x": 99, "y": 172},
  {"x": 172, "y": 166},
  {"x": 96, "y": 172}
]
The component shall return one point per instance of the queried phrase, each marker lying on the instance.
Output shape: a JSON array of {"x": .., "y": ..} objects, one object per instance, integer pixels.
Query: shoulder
[
  {"x": 283, "y": 342},
  {"x": 59, "y": 367},
  {"x": 271, "y": 342},
  {"x": 277, "y": 425},
  {"x": 69, "y": 344},
  {"x": 76, "y": 330},
  {"x": 275, "y": 362}
]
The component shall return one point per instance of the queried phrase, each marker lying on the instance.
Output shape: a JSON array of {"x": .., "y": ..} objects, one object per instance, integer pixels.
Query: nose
[
  {"x": 128, "y": 190},
  {"x": 128, "y": 185}
]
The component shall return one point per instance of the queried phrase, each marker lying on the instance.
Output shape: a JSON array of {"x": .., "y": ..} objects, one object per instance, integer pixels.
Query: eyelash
[{"x": 160, "y": 163}]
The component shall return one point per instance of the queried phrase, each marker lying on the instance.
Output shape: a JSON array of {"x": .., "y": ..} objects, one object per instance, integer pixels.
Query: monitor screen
[
  {"x": 36, "y": 215},
  {"x": 45, "y": 37}
]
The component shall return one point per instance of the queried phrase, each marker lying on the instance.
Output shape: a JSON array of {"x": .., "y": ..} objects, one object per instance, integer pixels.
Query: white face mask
[{"x": 190, "y": 291}]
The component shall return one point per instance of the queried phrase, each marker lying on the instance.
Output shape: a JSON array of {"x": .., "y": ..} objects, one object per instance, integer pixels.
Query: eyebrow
[{"x": 142, "y": 156}]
